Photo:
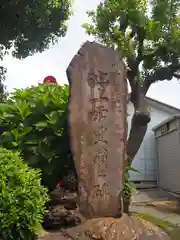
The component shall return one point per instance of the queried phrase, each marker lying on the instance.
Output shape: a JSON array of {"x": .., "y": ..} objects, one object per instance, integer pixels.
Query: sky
[{"x": 32, "y": 70}]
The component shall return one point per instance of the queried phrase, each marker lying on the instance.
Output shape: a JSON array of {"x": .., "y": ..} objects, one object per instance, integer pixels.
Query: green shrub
[
  {"x": 34, "y": 122},
  {"x": 128, "y": 188},
  {"x": 22, "y": 198}
]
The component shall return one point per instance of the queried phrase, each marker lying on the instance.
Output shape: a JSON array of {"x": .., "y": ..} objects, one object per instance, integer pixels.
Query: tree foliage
[
  {"x": 146, "y": 33},
  {"x": 147, "y": 36},
  {"x": 30, "y": 26},
  {"x": 34, "y": 122}
]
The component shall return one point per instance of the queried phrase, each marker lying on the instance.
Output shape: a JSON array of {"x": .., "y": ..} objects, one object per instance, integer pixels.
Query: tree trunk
[
  {"x": 139, "y": 121},
  {"x": 139, "y": 125},
  {"x": 126, "y": 206}
]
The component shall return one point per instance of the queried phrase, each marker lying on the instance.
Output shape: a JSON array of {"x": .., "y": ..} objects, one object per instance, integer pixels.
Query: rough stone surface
[
  {"x": 125, "y": 228},
  {"x": 98, "y": 128}
]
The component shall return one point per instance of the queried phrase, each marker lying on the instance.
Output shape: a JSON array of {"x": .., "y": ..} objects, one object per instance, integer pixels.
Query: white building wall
[{"x": 145, "y": 159}]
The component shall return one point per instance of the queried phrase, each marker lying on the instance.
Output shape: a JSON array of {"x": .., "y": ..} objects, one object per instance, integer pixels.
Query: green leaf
[
  {"x": 6, "y": 134},
  {"x": 15, "y": 134},
  {"x": 14, "y": 144},
  {"x": 59, "y": 132},
  {"x": 25, "y": 131},
  {"x": 41, "y": 125},
  {"x": 31, "y": 142},
  {"x": 52, "y": 117},
  {"x": 133, "y": 169}
]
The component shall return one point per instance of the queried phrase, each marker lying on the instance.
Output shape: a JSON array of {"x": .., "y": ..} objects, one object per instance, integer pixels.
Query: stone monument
[{"x": 98, "y": 128}]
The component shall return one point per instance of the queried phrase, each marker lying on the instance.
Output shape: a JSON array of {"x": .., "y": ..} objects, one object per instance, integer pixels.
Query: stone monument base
[{"x": 124, "y": 228}]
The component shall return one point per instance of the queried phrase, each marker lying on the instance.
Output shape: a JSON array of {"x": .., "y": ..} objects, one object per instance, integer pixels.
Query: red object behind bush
[
  {"x": 59, "y": 182},
  {"x": 49, "y": 79}
]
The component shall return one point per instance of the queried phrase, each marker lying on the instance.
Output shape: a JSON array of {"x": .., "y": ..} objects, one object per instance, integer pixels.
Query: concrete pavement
[
  {"x": 170, "y": 217},
  {"x": 143, "y": 198}
]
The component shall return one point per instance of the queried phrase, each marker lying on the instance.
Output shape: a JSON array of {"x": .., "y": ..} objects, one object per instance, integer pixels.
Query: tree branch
[
  {"x": 176, "y": 75},
  {"x": 123, "y": 24},
  {"x": 163, "y": 73},
  {"x": 161, "y": 51},
  {"x": 133, "y": 62}
]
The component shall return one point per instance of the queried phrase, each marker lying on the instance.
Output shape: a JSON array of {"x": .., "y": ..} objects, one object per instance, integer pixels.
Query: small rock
[
  {"x": 63, "y": 197},
  {"x": 59, "y": 212},
  {"x": 70, "y": 181},
  {"x": 55, "y": 217},
  {"x": 57, "y": 193},
  {"x": 59, "y": 217}
]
